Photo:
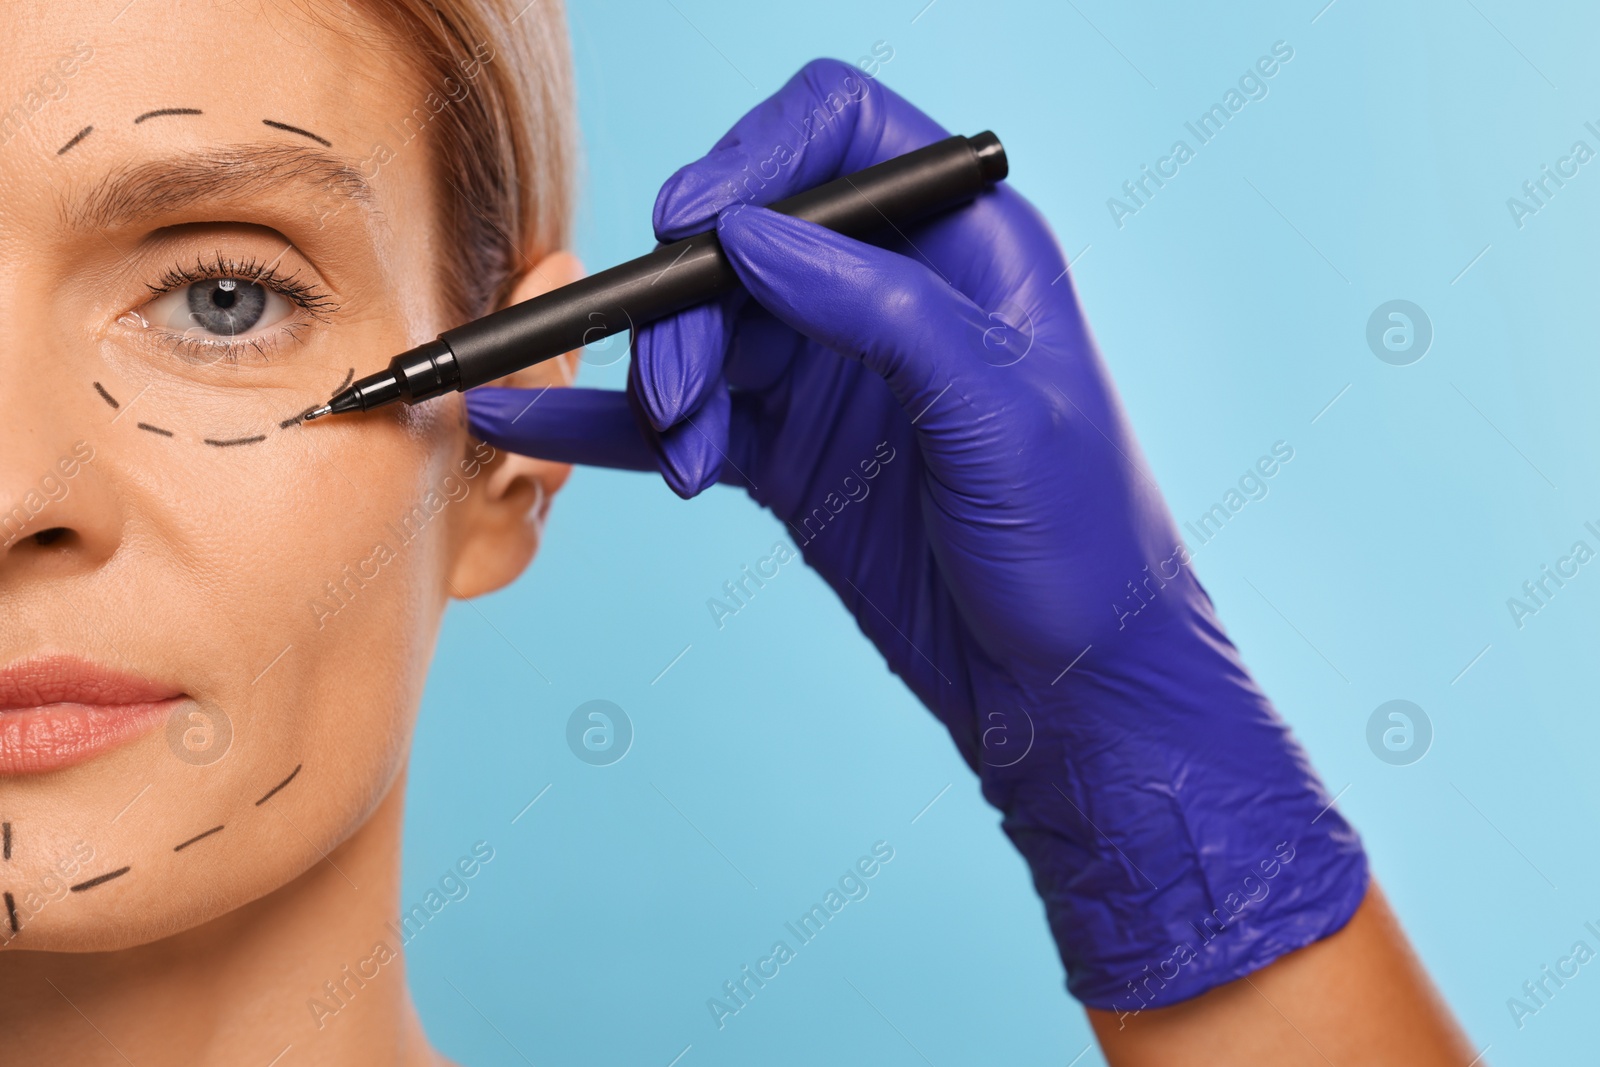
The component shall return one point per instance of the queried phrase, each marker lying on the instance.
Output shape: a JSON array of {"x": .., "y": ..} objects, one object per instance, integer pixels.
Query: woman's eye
[{"x": 218, "y": 307}]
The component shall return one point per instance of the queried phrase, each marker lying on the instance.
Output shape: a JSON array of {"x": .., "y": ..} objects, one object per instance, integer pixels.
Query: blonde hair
[{"x": 504, "y": 146}]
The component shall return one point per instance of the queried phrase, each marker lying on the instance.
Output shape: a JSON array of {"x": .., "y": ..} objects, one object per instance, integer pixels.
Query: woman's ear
[{"x": 503, "y": 515}]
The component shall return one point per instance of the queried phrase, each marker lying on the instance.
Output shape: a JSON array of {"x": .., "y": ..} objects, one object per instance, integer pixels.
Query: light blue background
[{"x": 1233, "y": 309}]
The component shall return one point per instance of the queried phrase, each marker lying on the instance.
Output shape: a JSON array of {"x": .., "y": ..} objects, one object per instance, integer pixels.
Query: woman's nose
[{"x": 58, "y": 514}]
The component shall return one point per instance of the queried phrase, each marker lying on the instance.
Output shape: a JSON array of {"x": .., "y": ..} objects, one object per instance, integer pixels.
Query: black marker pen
[{"x": 673, "y": 277}]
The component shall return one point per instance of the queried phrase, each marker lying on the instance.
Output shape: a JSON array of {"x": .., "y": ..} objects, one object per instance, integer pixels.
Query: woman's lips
[{"x": 59, "y": 710}]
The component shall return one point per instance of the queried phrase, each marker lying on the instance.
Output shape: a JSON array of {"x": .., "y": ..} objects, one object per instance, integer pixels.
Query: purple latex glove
[{"x": 931, "y": 418}]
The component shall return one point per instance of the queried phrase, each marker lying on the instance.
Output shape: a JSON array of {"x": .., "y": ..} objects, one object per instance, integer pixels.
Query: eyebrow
[{"x": 161, "y": 186}]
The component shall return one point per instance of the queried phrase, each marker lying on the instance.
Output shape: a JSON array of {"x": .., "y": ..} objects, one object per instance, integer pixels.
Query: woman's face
[{"x": 201, "y": 598}]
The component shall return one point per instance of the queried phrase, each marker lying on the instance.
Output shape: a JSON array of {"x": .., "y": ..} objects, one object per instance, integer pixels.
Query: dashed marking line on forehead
[
  {"x": 76, "y": 138},
  {"x": 285, "y": 127},
  {"x": 165, "y": 111}
]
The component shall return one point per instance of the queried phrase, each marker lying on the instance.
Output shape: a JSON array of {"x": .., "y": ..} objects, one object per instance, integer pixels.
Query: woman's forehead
[
  {"x": 84, "y": 73},
  {"x": 225, "y": 111}
]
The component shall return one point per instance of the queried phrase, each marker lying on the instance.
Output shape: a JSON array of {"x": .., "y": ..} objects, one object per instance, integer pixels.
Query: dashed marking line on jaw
[
  {"x": 257, "y": 439},
  {"x": 107, "y": 397},
  {"x": 280, "y": 785},
  {"x": 284, "y": 126},
  {"x": 79, "y": 136},
  {"x": 196, "y": 837},
  {"x": 5, "y": 850},
  {"x": 160, "y": 112},
  {"x": 101, "y": 879}
]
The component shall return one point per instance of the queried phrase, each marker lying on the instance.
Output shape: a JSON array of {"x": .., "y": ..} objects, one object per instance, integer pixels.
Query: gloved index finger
[
  {"x": 831, "y": 118},
  {"x": 595, "y": 427}
]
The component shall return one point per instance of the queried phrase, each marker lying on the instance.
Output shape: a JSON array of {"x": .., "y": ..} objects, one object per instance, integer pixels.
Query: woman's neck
[{"x": 311, "y": 973}]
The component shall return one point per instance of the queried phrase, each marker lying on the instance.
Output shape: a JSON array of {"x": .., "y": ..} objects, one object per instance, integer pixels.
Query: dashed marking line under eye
[
  {"x": 298, "y": 419},
  {"x": 161, "y": 112},
  {"x": 155, "y": 429},
  {"x": 257, "y": 439},
  {"x": 284, "y": 126},
  {"x": 107, "y": 397},
  {"x": 79, "y": 136}
]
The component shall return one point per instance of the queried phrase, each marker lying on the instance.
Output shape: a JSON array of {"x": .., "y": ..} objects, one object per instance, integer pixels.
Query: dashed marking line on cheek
[
  {"x": 196, "y": 837},
  {"x": 5, "y": 839},
  {"x": 284, "y": 126},
  {"x": 11, "y": 913},
  {"x": 155, "y": 429},
  {"x": 100, "y": 879},
  {"x": 107, "y": 397},
  {"x": 257, "y": 439},
  {"x": 280, "y": 785},
  {"x": 161, "y": 112},
  {"x": 79, "y": 136}
]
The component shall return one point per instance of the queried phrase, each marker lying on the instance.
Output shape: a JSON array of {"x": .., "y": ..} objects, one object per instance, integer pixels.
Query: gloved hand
[{"x": 930, "y": 417}]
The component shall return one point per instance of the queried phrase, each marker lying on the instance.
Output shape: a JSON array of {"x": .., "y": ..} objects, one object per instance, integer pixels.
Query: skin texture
[{"x": 198, "y": 566}]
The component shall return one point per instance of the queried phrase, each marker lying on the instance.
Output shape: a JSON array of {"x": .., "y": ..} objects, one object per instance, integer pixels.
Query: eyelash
[{"x": 315, "y": 302}]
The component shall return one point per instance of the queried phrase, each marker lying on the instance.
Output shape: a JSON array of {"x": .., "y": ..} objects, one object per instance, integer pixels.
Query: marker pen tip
[{"x": 317, "y": 413}]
